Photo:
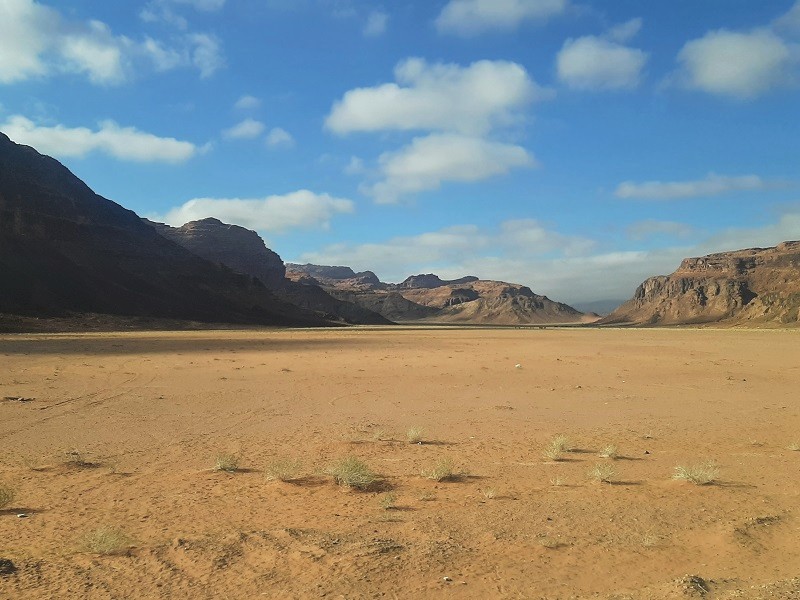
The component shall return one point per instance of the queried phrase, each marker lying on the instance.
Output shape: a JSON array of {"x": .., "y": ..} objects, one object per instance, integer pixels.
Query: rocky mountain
[
  {"x": 428, "y": 298},
  {"x": 65, "y": 250},
  {"x": 244, "y": 251},
  {"x": 757, "y": 286}
]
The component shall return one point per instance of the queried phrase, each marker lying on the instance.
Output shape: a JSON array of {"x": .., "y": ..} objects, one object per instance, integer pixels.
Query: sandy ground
[{"x": 149, "y": 412}]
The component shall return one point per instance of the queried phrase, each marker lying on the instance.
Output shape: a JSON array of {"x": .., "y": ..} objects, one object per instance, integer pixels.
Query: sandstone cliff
[
  {"x": 65, "y": 250},
  {"x": 244, "y": 251},
  {"x": 757, "y": 286}
]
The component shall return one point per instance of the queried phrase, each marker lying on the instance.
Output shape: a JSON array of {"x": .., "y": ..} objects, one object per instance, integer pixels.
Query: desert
[{"x": 121, "y": 433}]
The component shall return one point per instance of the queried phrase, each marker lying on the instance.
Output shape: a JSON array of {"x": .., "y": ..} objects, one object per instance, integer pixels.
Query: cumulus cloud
[
  {"x": 740, "y": 65},
  {"x": 566, "y": 268},
  {"x": 712, "y": 185},
  {"x": 302, "y": 209},
  {"x": 123, "y": 143},
  {"x": 790, "y": 22},
  {"x": 429, "y": 161},
  {"x": 279, "y": 137},
  {"x": 376, "y": 24},
  {"x": 38, "y": 42},
  {"x": 244, "y": 130},
  {"x": 440, "y": 97},
  {"x": 247, "y": 102},
  {"x": 602, "y": 63},
  {"x": 469, "y": 17}
]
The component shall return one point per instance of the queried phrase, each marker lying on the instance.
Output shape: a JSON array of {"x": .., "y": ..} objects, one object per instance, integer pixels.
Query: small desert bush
[
  {"x": 226, "y": 462},
  {"x": 557, "y": 481},
  {"x": 609, "y": 452},
  {"x": 388, "y": 501},
  {"x": 442, "y": 471},
  {"x": 602, "y": 472},
  {"x": 795, "y": 446},
  {"x": 6, "y": 495},
  {"x": 352, "y": 472},
  {"x": 700, "y": 474},
  {"x": 106, "y": 540},
  {"x": 489, "y": 493},
  {"x": 414, "y": 434},
  {"x": 76, "y": 458},
  {"x": 557, "y": 447},
  {"x": 283, "y": 469}
]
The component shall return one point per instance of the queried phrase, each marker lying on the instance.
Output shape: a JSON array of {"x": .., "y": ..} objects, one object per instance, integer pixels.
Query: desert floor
[{"x": 148, "y": 414}]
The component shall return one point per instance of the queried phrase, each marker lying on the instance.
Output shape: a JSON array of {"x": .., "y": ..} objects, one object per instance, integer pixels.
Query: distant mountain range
[{"x": 67, "y": 252}]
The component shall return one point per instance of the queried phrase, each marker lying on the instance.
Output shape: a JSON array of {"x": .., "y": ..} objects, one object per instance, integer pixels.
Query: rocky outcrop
[
  {"x": 431, "y": 281},
  {"x": 240, "y": 249},
  {"x": 65, "y": 250},
  {"x": 244, "y": 251},
  {"x": 428, "y": 298},
  {"x": 756, "y": 285}
]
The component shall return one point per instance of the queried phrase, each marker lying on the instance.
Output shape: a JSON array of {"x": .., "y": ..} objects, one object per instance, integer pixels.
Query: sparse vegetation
[
  {"x": 427, "y": 497},
  {"x": 443, "y": 471},
  {"x": 388, "y": 501},
  {"x": 76, "y": 458},
  {"x": 414, "y": 435},
  {"x": 6, "y": 495},
  {"x": 283, "y": 469},
  {"x": 378, "y": 435},
  {"x": 226, "y": 462},
  {"x": 106, "y": 541},
  {"x": 795, "y": 446},
  {"x": 489, "y": 493},
  {"x": 609, "y": 452},
  {"x": 603, "y": 473},
  {"x": 549, "y": 542},
  {"x": 704, "y": 473},
  {"x": 557, "y": 481},
  {"x": 352, "y": 472},
  {"x": 558, "y": 446}
]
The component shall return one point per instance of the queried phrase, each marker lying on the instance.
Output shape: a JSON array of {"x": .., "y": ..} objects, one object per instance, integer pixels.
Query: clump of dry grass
[
  {"x": 442, "y": 471},
  {"x": 609, "y": 452},
  {"x": 558, "y": 446},
  {"x": 602, "y": 472},
  {"x": 795, "y": 446},
  {"x": 77, "y": 459},
  {"x": 226, "y": 462},
  {"x": 283, "y": 469},
  {"x": 490, "y": 493},
  {"x": 415, "y": 435},
  {"x": 106, "y": 541},
  {"x": 352, "y": 472},
  {"x": 6, "y": 495},
  {"x": 558, "y": 481},
  {"x": 704, "y": 473},
  {"x": 388, "y": 501}
]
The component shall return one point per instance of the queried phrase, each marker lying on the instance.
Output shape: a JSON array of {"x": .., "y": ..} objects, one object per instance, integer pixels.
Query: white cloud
[
  {"x": 648, "y": 228},
  {"x": 594, "y": 63},
  {"x": 279, "y": 137},
  {"x": 790, "y": 22},
  {"x": 439, "y": 97},
  {"x": 429, "y": 161},
  {"x": 206, "y": 53},
  {"x": 624, "y": 32},
  {"x": 566, "y": 268},
  {"x": 712, "y": 185},
  {"x": 355, "y": 166},
  {"x": 247, "y": 102},
  {"x": 26, "y": 29},
  {"x": 204, "y": 5},
  {"x": 298, "y": 210},
  {"x": 469, "y": 17},
  {"x": 244, "y": 130},
  {"x": 376, "y": 24},
  {"x": 742, "y": 65},
  {"x": 37, "y": 42},
  {"x": 123, "y": 143}
]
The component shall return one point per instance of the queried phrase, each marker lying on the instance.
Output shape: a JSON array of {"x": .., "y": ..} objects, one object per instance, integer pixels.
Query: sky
[{"x": 573, "y": 146}]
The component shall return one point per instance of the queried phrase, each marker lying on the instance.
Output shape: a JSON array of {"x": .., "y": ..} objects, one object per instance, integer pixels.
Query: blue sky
[{"x": 573, "y": 146}]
